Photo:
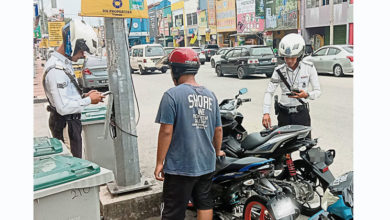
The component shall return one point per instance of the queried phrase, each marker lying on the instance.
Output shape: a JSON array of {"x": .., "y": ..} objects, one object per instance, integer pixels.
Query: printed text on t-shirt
[{"x": 201, "y": 103}]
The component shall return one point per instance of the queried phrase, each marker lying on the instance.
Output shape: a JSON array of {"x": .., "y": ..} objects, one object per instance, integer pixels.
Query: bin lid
[
  {"x": 46, "y": 146},
  {"x": 93, "y": 113},
  {"x": 58, "y": 169}
]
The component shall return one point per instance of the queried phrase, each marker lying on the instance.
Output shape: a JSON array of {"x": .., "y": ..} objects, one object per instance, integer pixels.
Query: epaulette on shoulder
[
  {"x": 59, "y": 65},
  {"x": 307, "y": 63}
]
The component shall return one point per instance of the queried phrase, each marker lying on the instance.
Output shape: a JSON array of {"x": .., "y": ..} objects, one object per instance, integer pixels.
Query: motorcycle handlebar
[{"x": 245, "y": 100}]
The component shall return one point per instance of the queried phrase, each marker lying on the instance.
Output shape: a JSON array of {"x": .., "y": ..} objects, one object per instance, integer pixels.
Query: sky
[{"x": 73, "y": 7}]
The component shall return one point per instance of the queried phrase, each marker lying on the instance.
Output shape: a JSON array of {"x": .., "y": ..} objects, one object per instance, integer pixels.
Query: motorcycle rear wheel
[
  {"x": 305, "y": 172},
  {"x": 255, "y": 209}
]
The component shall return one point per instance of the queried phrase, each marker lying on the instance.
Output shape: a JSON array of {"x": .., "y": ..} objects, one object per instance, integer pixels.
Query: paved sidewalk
[{"x": 39, "y": 93}]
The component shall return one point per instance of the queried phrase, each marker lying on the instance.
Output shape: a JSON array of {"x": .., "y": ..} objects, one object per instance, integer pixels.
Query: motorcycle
[
  {"x": 241, "y": 191},
  {"x": 306, "y": 178},
  {"x": 338, "y": 202}
]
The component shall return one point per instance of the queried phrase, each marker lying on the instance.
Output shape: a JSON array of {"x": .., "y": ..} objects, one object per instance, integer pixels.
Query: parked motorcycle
[
  {"x": 306, "y": 178},
  {"x": 241, "y": 191},
  {"x": 338, "y": 200}
]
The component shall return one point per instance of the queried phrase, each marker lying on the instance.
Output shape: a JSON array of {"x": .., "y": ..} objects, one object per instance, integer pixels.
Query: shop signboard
[
  {"x": 55, "y": 33},
  {"x": 246, "y": 18},
  {"x": 259, "y": 8},
  {"x": 114, "y": 8},
  {"x": 281, "y": 15},
  {"x": 226, "y": 15}
]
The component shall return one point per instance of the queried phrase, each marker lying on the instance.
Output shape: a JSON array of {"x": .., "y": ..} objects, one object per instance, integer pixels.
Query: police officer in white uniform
[
  {"x": 292, "y": 109},
  {"x": 66, "y": 100}
]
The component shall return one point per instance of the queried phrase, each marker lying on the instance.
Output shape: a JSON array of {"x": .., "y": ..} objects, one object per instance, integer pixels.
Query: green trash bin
[
  {"x": 66, "y": 187},
  {"x": 96, "y": 148},
  {"x": 45, "y": 146}
]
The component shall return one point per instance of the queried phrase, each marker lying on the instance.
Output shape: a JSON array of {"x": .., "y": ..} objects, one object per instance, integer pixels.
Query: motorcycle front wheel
[{"x": 255, "y": 209}]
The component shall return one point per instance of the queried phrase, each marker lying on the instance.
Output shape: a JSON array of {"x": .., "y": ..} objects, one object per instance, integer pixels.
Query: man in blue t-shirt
[{"x": 189, "y": 140}]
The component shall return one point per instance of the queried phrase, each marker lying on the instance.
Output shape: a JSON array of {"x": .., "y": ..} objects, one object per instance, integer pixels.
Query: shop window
[
  {"x": 189, "y": 19},
  {"x": 312, "y": 3},
  {"x": 325, "y": 2},
  {"x": 194, "y": 18}
]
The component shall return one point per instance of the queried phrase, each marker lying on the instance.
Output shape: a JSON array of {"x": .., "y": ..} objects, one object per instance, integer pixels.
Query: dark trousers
[
  {"x": 57, "y": 124},
  {"x": 300, "y": 118}
]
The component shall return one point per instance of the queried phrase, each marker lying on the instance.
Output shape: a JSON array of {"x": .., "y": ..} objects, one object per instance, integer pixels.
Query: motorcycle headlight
[{"x": 328, "y": 199}]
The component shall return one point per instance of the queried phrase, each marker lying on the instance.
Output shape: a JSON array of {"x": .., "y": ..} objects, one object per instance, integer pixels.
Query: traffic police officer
[
  {"x": 292, "y": 109},
  {"x": 66, "y": 100}
]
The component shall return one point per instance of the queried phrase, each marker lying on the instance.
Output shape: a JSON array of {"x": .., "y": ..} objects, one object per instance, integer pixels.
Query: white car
[
  {"x": 334, "y": 59},
  {"x": 217, "y": 57},
  {"x": 144, "y": 57},
  {"x": 202, "y": 57}
]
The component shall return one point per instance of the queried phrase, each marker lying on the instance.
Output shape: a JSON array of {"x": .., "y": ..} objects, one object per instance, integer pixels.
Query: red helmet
[{"x": 183, "y": 61}]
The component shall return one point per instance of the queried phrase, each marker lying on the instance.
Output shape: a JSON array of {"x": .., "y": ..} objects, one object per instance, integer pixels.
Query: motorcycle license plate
[{"x": 283, "y": 208}]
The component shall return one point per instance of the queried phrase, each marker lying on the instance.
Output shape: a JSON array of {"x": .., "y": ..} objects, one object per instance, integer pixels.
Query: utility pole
[
  {"x": 331, "y": 21},
  {"x": 43, "y": 18},
  {"x": 127, "y": 171}
]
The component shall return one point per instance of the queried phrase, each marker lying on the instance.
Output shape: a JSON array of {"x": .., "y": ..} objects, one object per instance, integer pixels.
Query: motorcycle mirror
[{"x": 243, "y": 91}]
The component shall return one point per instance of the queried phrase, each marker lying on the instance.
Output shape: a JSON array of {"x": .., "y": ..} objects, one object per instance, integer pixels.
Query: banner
[
  {"x": 259, "y": 8},
  {"x": 226, "y": 15},
  {"x": 115, "y": 8},
  {"x": 37, "y": 32},
  {"x": 246, "y": 18},
  {"x": 211, "y": 12},
  {"x": 207, "y": 36},
  {"x": 281, "y": 15},
  {"x": 202, "y": 23},
  {"x": 55, "y": 33}
]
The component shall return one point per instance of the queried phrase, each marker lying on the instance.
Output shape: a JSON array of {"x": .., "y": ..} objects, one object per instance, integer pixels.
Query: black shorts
[{"x": 178, "y": 190}]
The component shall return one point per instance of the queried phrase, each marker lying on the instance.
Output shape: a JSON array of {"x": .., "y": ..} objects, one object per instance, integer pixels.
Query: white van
[{"x": 144, "y": 57}]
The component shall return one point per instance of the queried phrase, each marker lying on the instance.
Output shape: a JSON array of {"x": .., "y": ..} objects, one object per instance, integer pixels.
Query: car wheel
[
  {"x": 218, "y": 70},
  {"x": 131, "y": 70},
  {"x": 338, "y": 71},
  {"x": 241, "y": 73},
  {"x": 212, "y": 63},
  {"x": 202, "y": 63},
  {"x": 268, "y": 75},
  {"x": 142, "y": 71}
]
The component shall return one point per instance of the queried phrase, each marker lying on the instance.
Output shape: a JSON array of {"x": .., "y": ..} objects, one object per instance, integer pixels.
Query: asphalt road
[{"x": 331, "y": 114}]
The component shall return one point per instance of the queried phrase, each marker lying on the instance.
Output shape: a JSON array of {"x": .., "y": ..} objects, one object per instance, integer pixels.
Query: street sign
[
  {"x": 207, "y": 36},
  {"x": 55, "y": 33},
  {"x": 115, "y": 8},
  {"x": 37, "y": 32}
]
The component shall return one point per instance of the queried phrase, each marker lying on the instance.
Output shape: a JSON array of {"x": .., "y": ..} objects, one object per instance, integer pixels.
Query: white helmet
[
  {"x": 77, "y": 35},
  {"x": 291, "y": 45}
]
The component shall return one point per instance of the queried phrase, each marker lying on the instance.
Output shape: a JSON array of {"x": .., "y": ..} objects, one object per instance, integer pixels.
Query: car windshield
[
  {"x": 349, "y": 49},
  {"x": 197, "y": 49},
  {"x": 212, "y": 46},
  {"x": 154, "y": 51},
  {"x": 255, "y": 51},
  {"x": 96, "y": 62}
]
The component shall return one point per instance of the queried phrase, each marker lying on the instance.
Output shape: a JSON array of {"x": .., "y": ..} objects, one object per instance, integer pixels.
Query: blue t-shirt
[{"x": 194, "y": 113}]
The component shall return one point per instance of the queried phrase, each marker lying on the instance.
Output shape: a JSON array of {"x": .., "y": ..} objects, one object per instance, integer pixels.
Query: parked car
[
  {"x": 335, "y": 59},
  {"x": 78, "y": 68},
  {"x": 145, "y": 56},
  {"x": 245, "y": 60},
  {"x": 210, "y": 50},
  {"x": 201, "y": 56},
  {"x": 168, "y": 50},
  {"x": 217, "y": 57},
  {"x": 94, "y": 74}
]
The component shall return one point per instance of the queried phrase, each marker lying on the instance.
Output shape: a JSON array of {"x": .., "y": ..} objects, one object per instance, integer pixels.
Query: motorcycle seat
[
  {"x": 230, "y": 164},
  {"x": 256, "y": 139}
]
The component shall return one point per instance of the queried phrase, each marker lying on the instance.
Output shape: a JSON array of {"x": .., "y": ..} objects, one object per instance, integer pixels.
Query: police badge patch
[{"x": 62, "y": 85}]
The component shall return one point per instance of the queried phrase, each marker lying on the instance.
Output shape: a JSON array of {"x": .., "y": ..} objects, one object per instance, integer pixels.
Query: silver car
[
  {"x": 94, "y": 73},
  {"x": 334, "y": 59},
  {"x": 217, "y": 57}
]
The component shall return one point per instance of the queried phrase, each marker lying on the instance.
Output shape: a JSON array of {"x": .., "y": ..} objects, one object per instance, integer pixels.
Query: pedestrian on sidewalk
[
  {"x": 294, "y": 78},
  {"x": 66, "y": 101},
  {"x": 189, "y": 140}
]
